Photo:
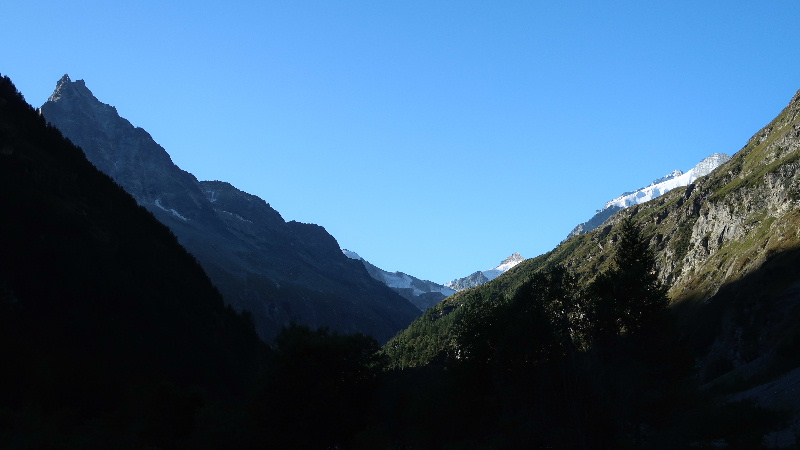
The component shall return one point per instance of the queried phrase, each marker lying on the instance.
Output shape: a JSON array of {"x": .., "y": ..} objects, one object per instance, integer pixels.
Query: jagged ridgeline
[
  {"x": 282, "y": 272},
  {"x": 726, "y": 246},
  {"x": 110, "y": 331}
]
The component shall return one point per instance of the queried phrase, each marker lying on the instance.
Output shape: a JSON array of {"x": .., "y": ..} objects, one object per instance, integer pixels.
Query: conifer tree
[{"x": 629, "y": 296}]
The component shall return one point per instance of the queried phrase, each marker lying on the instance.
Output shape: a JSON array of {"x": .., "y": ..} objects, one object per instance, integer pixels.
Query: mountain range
[
  {"x": 114, "y": 335},
  {"x": 281, "y": 272},
  {"x": 425, "y": 294},
  {"x": 260, "y": 262}
]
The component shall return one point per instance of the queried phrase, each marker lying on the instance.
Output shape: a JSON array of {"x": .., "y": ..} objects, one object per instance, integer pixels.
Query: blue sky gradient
[{"x": 435, "y": 138}]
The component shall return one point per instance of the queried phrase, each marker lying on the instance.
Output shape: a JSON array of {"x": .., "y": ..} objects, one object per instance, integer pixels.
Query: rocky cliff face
[{"x": 281, "y": 272}]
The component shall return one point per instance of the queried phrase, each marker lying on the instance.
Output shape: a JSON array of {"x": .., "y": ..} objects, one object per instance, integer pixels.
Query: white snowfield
[
  {"x": 665, "y": 184},
  {"x": 400, "y": 280}
]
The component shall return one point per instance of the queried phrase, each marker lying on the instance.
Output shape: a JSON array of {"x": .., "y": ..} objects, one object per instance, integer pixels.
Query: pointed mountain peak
[
  {"x": 67, "y": 87},
  {"x": 716, "y": 158},
  {"x": 483, "y": 276},
  {"x": 707, "y": 165},
  {"x": 516, "y": 257},
  {"x": 510, "y": 262}
]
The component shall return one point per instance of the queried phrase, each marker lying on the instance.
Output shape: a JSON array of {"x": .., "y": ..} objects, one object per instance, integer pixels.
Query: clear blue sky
[{"x": 435, "y": 138}]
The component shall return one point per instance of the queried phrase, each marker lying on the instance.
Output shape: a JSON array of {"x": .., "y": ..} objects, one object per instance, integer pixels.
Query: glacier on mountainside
[
  {"x": 655, "y": 189},
  {"x": 665, "y": 184}
]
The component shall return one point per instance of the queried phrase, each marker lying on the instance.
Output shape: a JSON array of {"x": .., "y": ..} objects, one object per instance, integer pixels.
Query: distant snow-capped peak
[
  {"x": 504, "y": 266},
  {"x": 483, "y": 276},
  {"x": 510, "y": 262}
]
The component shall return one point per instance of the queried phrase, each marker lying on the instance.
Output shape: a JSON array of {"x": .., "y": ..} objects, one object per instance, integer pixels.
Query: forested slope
[{"x": 110, "y": 332}]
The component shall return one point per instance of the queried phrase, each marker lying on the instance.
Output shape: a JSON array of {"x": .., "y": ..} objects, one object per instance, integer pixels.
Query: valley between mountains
[{"x": 143, "y": 308}]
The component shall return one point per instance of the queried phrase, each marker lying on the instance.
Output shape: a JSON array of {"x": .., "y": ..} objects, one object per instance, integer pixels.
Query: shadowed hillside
[{"x": 110, "y": 332}]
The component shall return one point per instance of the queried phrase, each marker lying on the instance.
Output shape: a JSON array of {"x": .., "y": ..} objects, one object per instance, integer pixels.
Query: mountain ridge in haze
[{"x": 422, "y": 293}]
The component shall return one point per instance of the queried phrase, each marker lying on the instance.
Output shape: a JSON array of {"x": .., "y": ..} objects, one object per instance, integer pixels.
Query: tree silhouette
[
  {"x": 631, "y": 360},
  {"x": 629, "y": 296}
]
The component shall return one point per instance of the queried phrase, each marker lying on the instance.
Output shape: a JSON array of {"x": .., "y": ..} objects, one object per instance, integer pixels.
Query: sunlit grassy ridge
[{"x": 705, "y": 236}]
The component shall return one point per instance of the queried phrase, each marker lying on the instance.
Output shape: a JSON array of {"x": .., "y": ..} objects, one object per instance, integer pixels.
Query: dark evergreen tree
[
  {"x": 632, "y": 361},
  {"x": 629, "y": 297}
]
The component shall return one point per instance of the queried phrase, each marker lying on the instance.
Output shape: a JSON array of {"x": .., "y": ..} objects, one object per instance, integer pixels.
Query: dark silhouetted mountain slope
[
  {"x": 281, "y": 272},
  {"x": 111, "y": 333}
]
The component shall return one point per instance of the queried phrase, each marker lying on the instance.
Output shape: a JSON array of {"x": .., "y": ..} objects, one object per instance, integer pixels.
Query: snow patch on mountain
[
  {"x": 236, "y": 216},
  {"x": 352, "y": 255},
  {"x": 170, "y": 210},
  {"x": 422, "y": 293}
]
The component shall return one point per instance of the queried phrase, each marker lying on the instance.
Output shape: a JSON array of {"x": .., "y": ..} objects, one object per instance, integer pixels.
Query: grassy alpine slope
[{"x": 725, "y": 230}]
